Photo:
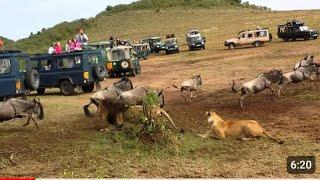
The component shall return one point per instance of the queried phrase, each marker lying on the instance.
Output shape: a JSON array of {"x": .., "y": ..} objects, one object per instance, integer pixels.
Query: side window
[
  {"x": 5, "y": 66},
  {"x": 69, "y": 62},
  {"x": 93, "y": 59},
  {"x": 34, "y": 65},
  {"x": 22, "y": 62},
  {"x": 46, "y": 65},
  {"x": 250, "y": 35}
]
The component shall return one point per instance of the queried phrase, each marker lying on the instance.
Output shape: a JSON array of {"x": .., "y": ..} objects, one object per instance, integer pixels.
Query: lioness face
[{"x": 212, "y": 116}]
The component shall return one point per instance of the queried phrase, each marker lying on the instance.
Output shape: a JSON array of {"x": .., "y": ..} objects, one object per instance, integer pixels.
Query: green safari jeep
[
  {"x": 142, "y": 50},
  {"x": 122, "y": 60}
]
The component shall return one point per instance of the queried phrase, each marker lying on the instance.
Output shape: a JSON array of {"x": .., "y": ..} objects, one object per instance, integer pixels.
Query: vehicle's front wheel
[
  {"x": 315, "y": 37},
  {"x": 88, "y": 88},
  {"x": 66, "y": 88},
  {"x": 133, "y": 72},
  {"x": 204, "y": 47},
  {"x": 285, "y": 39},
  {"x": 257, "y": 44},
  {"x": 41, "y": 91},
  {"x": 231, "y": 46}
]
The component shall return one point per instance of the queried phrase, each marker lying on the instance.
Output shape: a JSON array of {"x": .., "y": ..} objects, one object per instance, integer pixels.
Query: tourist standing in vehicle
[
  {"x": 77, "y": 45},
  {"x": 70, "y": 46},
  {"x": 82, "y": 38},
  {"x": 51, "y": 49},
  {"x": 1, "y": 44},
  {"x": 58, "y": 48}
]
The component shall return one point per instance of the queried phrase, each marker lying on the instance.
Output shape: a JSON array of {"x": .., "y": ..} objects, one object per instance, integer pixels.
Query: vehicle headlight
[
  {"x": 202, "y": 42},
  {"x": 193, "y": 44},
  {"x": 18, "y": 85},
  {"x": 86, "y": 75},
  {"x": 125, "y": 64},
  {"x": 176, "y": 46}
]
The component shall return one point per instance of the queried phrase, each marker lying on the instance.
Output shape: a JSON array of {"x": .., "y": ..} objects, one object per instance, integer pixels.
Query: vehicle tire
[
  {"x": 133, "y": 72},
  {"x": 156, "y": 51},
  {"x": 66, "y": 88},
  {"x": 32, "y": 79},
  {"x": 139, "y": 70},
  {"x": 167, "y": 52},
  {"x": 257, "y": 44},
  {"x": 41, "y": 91},
  {"x": 88, "y": 88},
  {"x": 145, "y": 57},
  {"x": 99, "y": 71},
  {"x": 294, "y": 39},
  {"x": 315, "y": 37},
  {"x": 178, "y": 51},
  {"x": 204, "y": 47},
  {"x": 285, "y": 39},
  {"x": 231, "y": 46}
]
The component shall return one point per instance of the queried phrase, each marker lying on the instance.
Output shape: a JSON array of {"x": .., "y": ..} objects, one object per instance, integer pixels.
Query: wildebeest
[
  {"x": 306, "y": 62},
  {"x": 299, "y": 75},
  {"x": 135, "y": 96},
  {"x": 191, "y": 85},
  {"x": 110, "y": 93},
  {"x": 18, "y": 108},
  {"x": 262, "y": 82}
]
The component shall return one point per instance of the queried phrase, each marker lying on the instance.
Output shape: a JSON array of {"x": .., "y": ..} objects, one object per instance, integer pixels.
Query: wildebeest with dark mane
[
  {"x": 262, "y": 82},
  {"x": 19, "y": 108},
  {"x": 111, "y": 93}
]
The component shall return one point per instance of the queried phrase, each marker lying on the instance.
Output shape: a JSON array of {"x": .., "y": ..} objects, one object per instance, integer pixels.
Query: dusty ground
[{"x": 70, "y": 145}]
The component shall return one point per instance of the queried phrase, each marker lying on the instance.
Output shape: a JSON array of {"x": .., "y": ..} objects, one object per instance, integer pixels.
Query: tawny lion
[{"x": 240, "y": 130}]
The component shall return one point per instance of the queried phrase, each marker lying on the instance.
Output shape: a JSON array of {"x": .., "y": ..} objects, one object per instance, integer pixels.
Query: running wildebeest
[
  {"x": 112, "y": 92},
  {"x": 299, "y": 75},
  {"x": 18, "y": 108},
  {"x": 135, "y": 96},
  {"x": 262, "y": 82},
  {"x": 191, "y": 85}
]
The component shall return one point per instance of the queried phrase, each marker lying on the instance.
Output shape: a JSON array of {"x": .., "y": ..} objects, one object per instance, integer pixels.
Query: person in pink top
[
  {"x": 58, "y": 48},
  {"x": 70, "y": 46},
  {"x": 77, "y": 45}
]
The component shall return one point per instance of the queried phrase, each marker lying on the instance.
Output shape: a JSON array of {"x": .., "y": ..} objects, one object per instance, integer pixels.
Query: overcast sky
[{"x": 20, "y": 17}]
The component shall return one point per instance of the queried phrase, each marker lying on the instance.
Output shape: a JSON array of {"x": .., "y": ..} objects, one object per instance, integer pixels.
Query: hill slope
[{"x": 138, "y": 19}]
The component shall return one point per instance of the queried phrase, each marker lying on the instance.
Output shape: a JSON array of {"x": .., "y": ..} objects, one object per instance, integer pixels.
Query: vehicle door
[
  {"x": 242, "y": 38},
  {"x": 48, "y": 71},
  {"x": 22, "y": 70},
  {"x": 70, "y": 67},
  {"x": 89, "y": 61},
  {"x": 7, "y": 77}
]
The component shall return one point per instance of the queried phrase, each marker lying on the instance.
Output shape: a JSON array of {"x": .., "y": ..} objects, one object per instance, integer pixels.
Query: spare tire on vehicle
[
  {"x": 32, "y": 79},
  {"x": 99, "y": 71}
]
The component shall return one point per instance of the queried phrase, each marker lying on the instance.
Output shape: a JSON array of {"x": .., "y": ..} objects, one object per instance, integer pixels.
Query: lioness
[{"x": 241, "y": 130}]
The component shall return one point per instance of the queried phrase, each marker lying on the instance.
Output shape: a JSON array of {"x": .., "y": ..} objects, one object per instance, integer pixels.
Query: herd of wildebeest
[{"x": 114, "y": 102}]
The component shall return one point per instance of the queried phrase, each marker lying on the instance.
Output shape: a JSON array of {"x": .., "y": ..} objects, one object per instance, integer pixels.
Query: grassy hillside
[
  {"x": 135, "y": 20},
  {"x": 8, "y": 43}
]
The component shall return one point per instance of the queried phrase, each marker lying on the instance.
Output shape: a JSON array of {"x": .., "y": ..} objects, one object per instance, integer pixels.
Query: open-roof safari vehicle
[
  {"x": 251, "y": 37},
  {"x": 69, "y": 70},
  {"x": 196, "y": 41},
  {"x": 296, "y": 30},
  {"x": 156, "y": 45},
  {"x": 142, "y": 50},
  {"x": 171, "y": 44},
  {"x": 122, "y": 60},
  {"x": 16, "y": 74}
]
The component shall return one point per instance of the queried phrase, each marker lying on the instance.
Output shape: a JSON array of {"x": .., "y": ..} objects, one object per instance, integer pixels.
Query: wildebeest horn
[{"x": 168, "y": 117}]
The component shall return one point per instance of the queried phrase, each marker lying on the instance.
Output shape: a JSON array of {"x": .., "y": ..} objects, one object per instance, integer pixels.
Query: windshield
[
  {"x": 118, "y": 54},
  {"x": 5, "y": 66},
  {"x": 195, "y": 39},
  {"x": 171, "y": 42},
  {"x": 303, "y": 28},
  {"x": 156, "y": 40}
]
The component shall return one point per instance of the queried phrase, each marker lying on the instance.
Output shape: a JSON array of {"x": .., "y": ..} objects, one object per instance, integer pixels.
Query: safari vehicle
[
  {"x": 196, "y": 41},
  {"x": 100, "y": 45},
  {"x": 16, "y": 74},
  {"x": 171, "y": 45},
  {"x": 156, "y": 45},
  {"x": 251, "y": 37},
  {"x": 296, "y": 30},
  {"x": 69, "y": 70},
  {"x": 142, "y": 50},
  {"x": 122, "y": 60}
]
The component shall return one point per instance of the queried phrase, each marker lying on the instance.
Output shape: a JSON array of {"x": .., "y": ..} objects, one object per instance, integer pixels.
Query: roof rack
[{"x": 9, "y": 51}]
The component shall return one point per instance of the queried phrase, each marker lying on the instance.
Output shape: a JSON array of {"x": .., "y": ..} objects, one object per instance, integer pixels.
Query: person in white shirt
[
  {"x": 51, "y": 49},
  {"x": 82, "y": 38}
]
